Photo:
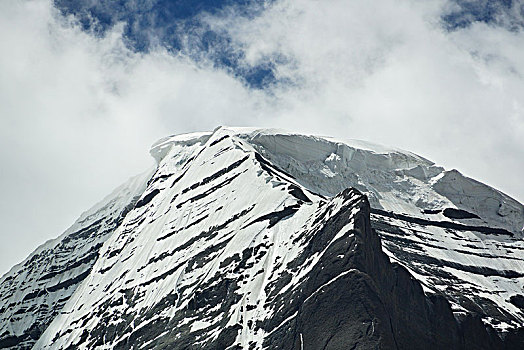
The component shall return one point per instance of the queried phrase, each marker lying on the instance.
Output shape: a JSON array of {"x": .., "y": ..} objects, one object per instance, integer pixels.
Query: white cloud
[
  {"x": 78, "y": 113},
  {"x": 388, "y": 72}
]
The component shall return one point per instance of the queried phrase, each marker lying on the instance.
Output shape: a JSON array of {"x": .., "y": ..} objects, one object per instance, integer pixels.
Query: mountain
[{"x": 263, "y": 239}]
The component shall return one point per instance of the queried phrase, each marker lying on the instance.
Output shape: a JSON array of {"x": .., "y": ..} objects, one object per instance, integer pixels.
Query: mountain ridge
[{"x": 216, "y": 194}]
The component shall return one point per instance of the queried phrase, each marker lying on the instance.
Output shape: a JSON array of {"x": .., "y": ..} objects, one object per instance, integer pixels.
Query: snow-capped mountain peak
[{"x": 260, "y": 238}]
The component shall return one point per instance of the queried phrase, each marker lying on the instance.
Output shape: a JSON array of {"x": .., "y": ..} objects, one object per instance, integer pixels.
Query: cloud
[
  {"x": 391, "y": 73},
  {"x": 79, "y": 111}
]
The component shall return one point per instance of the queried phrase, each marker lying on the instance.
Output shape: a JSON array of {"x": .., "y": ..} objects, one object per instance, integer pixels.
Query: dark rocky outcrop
[
  {"x": 453, "y": 213},
  {"x": 375, "y": 305}
]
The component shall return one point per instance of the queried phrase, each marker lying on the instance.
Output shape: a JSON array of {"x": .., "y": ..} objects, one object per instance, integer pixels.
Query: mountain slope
[
  {"x": 250, "y": 238},
  {"x": 33, "y": 292},
  {"x": 459, "y": 237}
]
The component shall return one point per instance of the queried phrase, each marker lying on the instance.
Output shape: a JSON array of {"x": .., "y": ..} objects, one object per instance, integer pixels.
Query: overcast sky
[{"x": 79, "y": 108}]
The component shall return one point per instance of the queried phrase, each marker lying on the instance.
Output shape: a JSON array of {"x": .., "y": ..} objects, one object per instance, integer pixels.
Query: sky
[{"x": 87, "y": 86}]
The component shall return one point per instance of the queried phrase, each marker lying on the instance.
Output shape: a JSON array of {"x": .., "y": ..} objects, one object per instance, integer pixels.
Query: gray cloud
[{"x": 78, "y": 113}]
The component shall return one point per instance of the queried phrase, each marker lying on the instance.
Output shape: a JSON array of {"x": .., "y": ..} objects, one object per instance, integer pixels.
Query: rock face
[{"x": 259, "y": 239}]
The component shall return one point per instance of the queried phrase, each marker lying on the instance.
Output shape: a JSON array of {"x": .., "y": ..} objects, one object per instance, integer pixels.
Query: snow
[
  {"x": 320, "y": 289},
  {"x": 211, "y": 202}
]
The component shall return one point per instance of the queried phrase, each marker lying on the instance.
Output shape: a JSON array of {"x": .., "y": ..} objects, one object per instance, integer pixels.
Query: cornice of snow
[{"x": 393, "y": 179}]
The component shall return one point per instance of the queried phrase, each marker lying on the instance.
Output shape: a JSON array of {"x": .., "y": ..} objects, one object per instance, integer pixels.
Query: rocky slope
[
  {"x": 33, "y": 292},
  {"x": 256, "y": 239}
]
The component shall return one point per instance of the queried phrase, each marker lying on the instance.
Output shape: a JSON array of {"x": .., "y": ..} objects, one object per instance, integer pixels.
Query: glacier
[{"x": 246, "y": 238}]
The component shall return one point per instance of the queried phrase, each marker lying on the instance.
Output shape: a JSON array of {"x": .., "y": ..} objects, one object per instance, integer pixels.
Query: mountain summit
[{"x": 263, "y": 239}]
